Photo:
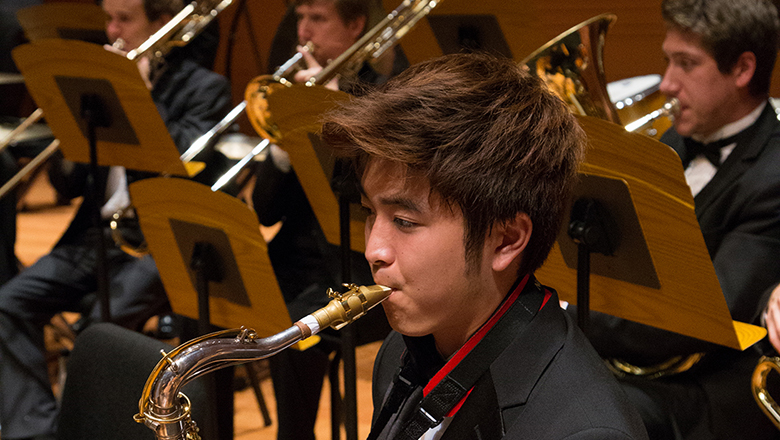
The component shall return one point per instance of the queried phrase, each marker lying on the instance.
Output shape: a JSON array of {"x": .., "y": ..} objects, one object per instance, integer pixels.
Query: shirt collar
[{"x": 735, "y": 127}]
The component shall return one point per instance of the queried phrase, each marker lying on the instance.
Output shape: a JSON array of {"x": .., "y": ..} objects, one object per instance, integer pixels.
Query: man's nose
[
  {"x": 113, "y": 31},
  {"x": 669, "y": 85},
  {"x": 378, "y": 250},
  {"x": 304, "y": 32}
]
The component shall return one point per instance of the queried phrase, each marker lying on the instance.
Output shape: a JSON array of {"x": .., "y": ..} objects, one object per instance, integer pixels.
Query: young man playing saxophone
[{"x": 466, "y": 164}]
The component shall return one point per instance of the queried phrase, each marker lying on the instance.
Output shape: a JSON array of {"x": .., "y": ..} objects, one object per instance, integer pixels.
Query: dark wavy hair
[
  {"x": 490, "y": 138},
  {"x": 728, "y": 28}
]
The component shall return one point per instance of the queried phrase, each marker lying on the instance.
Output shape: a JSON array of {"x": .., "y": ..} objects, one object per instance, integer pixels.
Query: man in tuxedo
[
  {"x": 720, "y": 59},
  {"x": 466, "y": 164},
  {"x": 190, "y": 99}
]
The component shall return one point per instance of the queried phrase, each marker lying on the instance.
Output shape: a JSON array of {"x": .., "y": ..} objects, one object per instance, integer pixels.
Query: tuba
[
  {"x": 572, "y": 66},
  {"x": 166, "y": 411},
  {"x": 758, "y": 384}
]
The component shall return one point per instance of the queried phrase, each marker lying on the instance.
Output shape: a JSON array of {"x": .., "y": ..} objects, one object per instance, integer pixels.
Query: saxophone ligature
[{"x": 165, "y": 410}]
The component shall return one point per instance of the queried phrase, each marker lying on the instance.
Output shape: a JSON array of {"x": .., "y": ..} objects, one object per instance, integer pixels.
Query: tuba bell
[{"x": 572, "y": 66}]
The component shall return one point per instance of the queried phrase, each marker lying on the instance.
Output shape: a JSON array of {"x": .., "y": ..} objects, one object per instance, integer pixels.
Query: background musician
[
  {"x": 720, "y": 59},
  {"x": 304, "y": 263},
  {"x": 190, "y": 100},
  {"x": 465, "y": 164}
]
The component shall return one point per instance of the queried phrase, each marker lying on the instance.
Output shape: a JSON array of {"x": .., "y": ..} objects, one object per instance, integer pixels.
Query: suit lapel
[{"x": 739, "y": 161}]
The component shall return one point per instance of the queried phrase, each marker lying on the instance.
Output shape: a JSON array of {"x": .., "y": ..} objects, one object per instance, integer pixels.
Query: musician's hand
[
  {"x": 144, "y": 69},
  {"x": 142, "y": 64},
  {"x": 312, "y": 69},
  {"x": 773, "y": 318}
]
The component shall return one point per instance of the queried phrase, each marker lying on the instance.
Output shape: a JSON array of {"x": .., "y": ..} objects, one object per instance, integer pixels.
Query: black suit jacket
[
  {"x": 739, "y": 216},
  {"x": 547, "y": 384}
]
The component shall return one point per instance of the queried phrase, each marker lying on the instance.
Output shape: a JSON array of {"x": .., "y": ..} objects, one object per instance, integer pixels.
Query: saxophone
[{"x": 166, "y": 411}]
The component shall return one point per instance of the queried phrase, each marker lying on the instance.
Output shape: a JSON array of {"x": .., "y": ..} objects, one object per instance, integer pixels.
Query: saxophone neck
[{"x": 346, "y": 307}]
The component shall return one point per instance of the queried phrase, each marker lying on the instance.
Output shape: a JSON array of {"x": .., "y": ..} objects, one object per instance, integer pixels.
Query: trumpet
[
  {"x": 758, "y": 384},
  {"x": 178, "y": 31},
  {"x": 166, "y": 411}
]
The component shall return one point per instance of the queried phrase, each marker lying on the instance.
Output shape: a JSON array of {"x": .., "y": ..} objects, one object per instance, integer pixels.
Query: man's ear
[
  {"x": 510, "y": 239},
  {"x": 161, "y": 21},
  {"x": 744, "y": 69},
  {"x": 357, "y": 26}
]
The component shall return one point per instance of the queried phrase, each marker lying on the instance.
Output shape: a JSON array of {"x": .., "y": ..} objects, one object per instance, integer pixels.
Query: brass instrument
[
  {"x": 178, "y": 31},
  {"x": 572, "y": 66},
  {"x": 373, "y": 44},
  {"x": 166, "y": 411},
  {"x": 758, "y": 384},
  {"x": 670, "y": 108}
]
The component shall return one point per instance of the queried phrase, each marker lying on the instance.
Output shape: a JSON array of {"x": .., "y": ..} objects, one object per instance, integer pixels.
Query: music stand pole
[
  {"x": 95, "y": 114},
  {"x": 348, "y": 333},
  {"x": 205, "y": 262},
  {"x": 589, "y": 228}
]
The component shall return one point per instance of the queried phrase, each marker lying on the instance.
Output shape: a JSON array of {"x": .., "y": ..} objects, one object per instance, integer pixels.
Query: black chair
[{"x": 107, "y": 370}]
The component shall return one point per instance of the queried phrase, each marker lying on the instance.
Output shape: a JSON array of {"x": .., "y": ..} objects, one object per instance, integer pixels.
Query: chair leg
[{"x": 253, "y": 372}]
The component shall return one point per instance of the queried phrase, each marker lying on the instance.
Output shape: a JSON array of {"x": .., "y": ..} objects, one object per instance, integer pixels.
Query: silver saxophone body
[{"x": 165, "y": 410}]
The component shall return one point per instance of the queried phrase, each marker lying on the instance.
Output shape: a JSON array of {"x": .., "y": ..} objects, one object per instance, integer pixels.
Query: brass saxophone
[{"x": 166, "y": 411}]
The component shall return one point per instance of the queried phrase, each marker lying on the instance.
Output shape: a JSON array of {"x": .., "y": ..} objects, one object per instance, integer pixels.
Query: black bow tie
[{"x": 711, "y": 151}]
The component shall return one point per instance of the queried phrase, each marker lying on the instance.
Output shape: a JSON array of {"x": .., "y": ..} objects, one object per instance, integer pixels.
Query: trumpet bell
[{"x": 572, "y": 67}]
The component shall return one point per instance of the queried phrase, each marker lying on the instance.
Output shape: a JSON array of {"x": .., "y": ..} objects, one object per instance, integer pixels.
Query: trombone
[
  {"x": 372, "y": 45},
  {"x": 178, "y": 31}
]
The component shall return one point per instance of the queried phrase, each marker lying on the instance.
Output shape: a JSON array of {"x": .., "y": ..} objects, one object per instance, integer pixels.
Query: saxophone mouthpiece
[{"x": 346, "y": 307}]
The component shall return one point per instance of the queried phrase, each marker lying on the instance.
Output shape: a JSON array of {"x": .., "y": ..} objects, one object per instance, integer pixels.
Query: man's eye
[
  {"x": 402, "y": 223},
  {"x": 687, "y": 65}
]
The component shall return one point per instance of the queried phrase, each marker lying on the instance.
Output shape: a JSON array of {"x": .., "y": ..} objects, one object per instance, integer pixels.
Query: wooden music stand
[
  {"x": 99, "y": 108},
  {"x": 175, "y": 215},
  {"x": 659, "y": 272},
  {"x": 68, "y": 20},
  {"x": 59, "y": 72},
  {"x": 297, "y": 111},
  {"x": 215, "y": 268}
]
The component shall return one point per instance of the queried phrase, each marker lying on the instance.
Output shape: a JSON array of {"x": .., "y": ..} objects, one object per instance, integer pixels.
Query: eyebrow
[{"x": 402, "y": 202}]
